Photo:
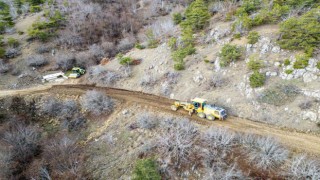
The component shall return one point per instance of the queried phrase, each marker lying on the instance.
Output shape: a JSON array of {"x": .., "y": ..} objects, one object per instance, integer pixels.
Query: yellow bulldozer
[{"x": 203, "y": 110}]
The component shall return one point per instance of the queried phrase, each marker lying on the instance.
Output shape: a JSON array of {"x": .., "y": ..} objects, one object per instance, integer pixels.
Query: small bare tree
[
  {"x": 147, "y": 121},
  {"x": 267, "y": 154},
  {"x": 65, "y": 61},
  {"x": 97, "y": 103},
  {"x": 36, "y": 60},
  {"x": 4, "y": 67},
  {"x": 176, "y": 143},
  {"x": 63, "y": 157},
  {"x": 24, "y": 141},
  {"x": 303, "y": 168}
]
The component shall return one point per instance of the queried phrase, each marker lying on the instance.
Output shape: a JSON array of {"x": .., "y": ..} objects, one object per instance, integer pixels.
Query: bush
[
  {"x": 301, "y": 33},
  {"x": 237, "y": 36},
  {"x": 267, "y": 154},
  {"x": 97, "y": 103},
  {"x": 172, "y": 43},
  {"x": 177, "y": 18},
  {"x": 43, "y": 49},
  {"x": 257, "y": 79},
  {"x": 12, "y": 52},
  {"x": 254, "y": 64},
  {"x": 147, "y": 121},
  {"x": 97, "y": 74},
  {"x": 306, "y": 104},
  {"x": 4, "y": 68},
  {"x": 288, "y": 71},
  {"x": 52, "y": 107},
  {"x": 24, "y": 141},
  {"x": 197, "y": 15},
  {"x": 303, "y": 168},
  {"x": 279, "y": 95},
  {"x": 12, "y": 42},
  {"x": 152, "y": 41},
  {"x": 318, "y": 65},
  {"x": 2, "y": 52},
  {"x": 34, "y": 9},
  {"x": 253, "y": 37},
  {"x": 229, "y": 53},
  {"x": 178, "y": 66},
  {"x": 302, "y": 61},
  {"x": 146, "y": 169},
  {"x": 63, "y": 158},
  {"x": 124, "y": 60},
  {"x": 36, "y": 61},
  {"x": 287, "y": 62},
  {"x": 139, "y": 46},
  {"x": 148, "y": 80},
  {"x": 178, "y": 140},
  {"x": 65, "y": 61}
]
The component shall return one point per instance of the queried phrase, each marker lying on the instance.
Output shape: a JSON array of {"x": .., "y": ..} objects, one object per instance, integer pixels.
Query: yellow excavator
[{"x": 203, "y": 110}]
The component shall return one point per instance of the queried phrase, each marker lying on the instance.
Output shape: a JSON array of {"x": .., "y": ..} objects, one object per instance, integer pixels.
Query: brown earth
[{"x": 299, "y": 142}]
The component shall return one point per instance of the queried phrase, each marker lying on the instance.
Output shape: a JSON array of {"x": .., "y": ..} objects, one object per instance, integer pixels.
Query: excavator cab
[{"x": 199, "y": 104}]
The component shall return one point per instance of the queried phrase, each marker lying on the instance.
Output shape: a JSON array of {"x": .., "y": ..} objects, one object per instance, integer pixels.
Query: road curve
[{"x": 299, "y": 142}]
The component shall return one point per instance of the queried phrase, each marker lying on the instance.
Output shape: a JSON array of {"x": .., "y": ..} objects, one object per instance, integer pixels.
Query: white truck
[{"x": 54, "y": 77}]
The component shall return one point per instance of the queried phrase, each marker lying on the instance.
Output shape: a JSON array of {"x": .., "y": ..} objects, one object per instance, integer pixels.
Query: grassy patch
[{"x": 279, "y": 95}]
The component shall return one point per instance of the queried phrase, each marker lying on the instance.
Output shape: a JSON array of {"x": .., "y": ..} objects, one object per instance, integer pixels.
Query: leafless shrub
[
  {"x": 76, "y": 123},
  {"x": 217, "y": 81},
  {"x": 97, "y": 103},
  {"x": 44, "y": 174},
  {"x": 36, "y": 60},
  {"x": 85, "y": 59},
  {"x": 176, "y": 143},
  {"x": 66, "y": 111},
  {"x": 166, "y": 89},
  {"x": 267, "y": 153},
  {"x": 163, "y": 27},
  {"x": 24, "y": 141},
  {"x": 223, "y": 172},
  {"x": 4, "y": 67},
  {"x": 171, "y": 77},
  {"x": 126, "y": 44},
  {"x": 147, "y": 121},
  {"x": 148, "y": 80},
  {"x": 65, "y": 61},
  {"x": 51, "y": 106},
  {"x": 218, "y": 138},
  {"x": 43, "y": 49},
  {"x": 109, "y": 48},
  {"x": 126, "y": 71},
  {"x": 63, "y": 157},
  {"x": 97, "y": 52},
  {"x": 5, "y": 170},
  {"x": 98, "y": 74},
  {"x": 12, "y": 52},
  {"x": 306, "y": 104},
  {"x": 223, "y": 7},
  {"x": 303, "y": 168}
]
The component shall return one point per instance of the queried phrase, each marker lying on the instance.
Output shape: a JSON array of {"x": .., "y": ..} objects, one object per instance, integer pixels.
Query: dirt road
[{"x": 297, "y": 141}]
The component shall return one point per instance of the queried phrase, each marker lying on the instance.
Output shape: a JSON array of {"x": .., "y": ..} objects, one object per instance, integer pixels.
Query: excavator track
[{"x": 299, "y": 142}]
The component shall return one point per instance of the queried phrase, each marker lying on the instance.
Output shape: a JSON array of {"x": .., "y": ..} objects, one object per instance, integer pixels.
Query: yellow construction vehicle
[{"x": 203, "y": 110}]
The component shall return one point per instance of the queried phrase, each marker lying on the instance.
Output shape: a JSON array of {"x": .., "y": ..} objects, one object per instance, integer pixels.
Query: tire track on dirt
[{"x": 297, "y": 141}]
